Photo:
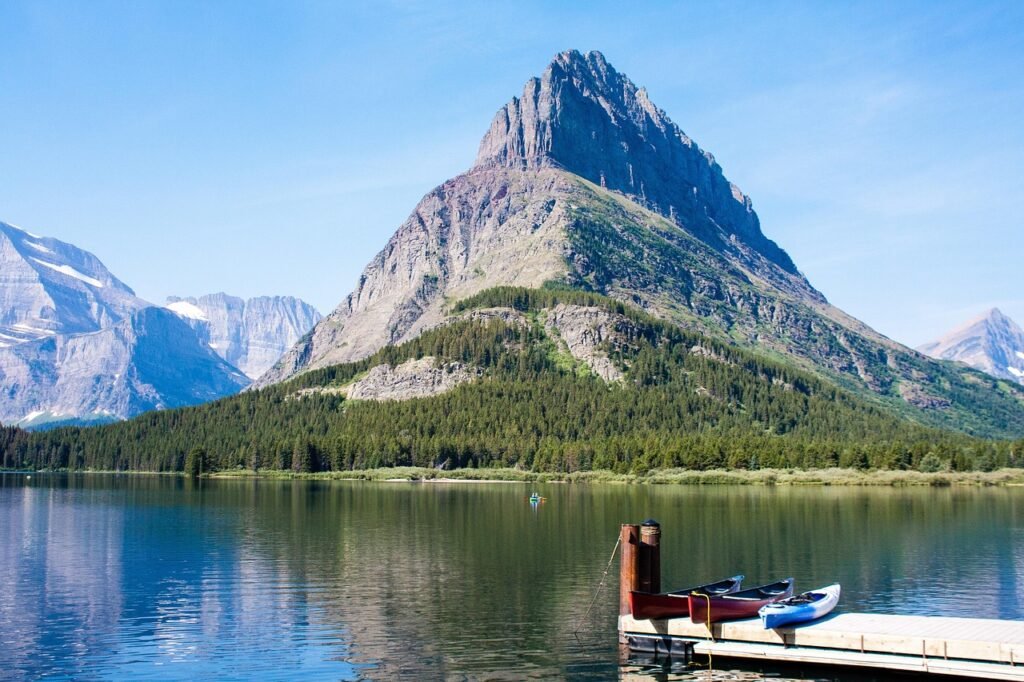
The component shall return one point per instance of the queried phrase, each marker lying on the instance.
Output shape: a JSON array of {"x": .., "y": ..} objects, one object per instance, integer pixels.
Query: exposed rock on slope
[
  {"x": 991, "y": 342},
  {"x": 250, "y": 334},
  {"x": 506, "y": 315},
  {"x": 411, "y": 379},
  {"x": 589, "y": 333},
  {"x": 479, "y": 230}
]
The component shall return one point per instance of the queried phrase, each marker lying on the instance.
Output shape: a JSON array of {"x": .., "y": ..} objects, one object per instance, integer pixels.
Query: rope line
[
  {"x": 600, "y": 585},
  {"x": 711, "y": 633}
]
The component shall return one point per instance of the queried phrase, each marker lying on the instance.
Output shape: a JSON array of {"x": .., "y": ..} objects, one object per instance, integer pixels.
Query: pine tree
[
  {"x": 302, "y": 456},
  {"x": 195, "y": 462}
]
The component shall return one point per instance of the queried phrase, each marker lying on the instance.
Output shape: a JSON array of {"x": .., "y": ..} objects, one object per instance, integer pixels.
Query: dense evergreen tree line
[{"x": 535, "y": 408}]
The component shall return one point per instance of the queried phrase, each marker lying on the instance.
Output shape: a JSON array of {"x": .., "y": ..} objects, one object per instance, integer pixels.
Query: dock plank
[
  {"x": 972, "y": 669},
  {"x": 930, "y": 638}
]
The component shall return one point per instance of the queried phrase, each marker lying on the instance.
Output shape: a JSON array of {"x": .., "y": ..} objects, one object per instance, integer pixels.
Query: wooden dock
[{"x": 964, "y": 647}]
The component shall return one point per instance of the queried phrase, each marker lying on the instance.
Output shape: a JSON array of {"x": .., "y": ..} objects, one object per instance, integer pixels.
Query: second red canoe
[{"x": 744, "y": 604}]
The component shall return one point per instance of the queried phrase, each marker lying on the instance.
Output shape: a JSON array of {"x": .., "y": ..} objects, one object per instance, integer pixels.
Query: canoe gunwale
[{"x": 676, "y": 604}]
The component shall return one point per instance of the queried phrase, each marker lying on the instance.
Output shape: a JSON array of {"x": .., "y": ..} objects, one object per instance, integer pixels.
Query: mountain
[
  {"x": 991, "y": 342},
  {"x": 50, "y": 287},
  {"x": 250, "y": 334},
  {"x": 582, "y": 182},
  {"x": 77, "y": 345},
  {"x": 149, "y": 360}
]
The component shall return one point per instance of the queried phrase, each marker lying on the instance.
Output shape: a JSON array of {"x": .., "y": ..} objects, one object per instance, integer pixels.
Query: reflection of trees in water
[
  {"x": 433, "y": 579},
  {"x": 437, "y": 580}
]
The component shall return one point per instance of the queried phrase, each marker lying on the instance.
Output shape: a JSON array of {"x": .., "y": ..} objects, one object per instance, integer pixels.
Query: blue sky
[{"x": 273, "y": 147}]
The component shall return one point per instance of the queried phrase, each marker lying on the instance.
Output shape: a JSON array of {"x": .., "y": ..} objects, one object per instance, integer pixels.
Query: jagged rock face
[
  {"x": 482, "y": 229},
  {"x": 584, "y": 116},
  {"x": 589, "y": 333},
  {"x": 509, "y": 316},
  {"x": 149, "y": 360},
  {"x": 992, "y": 343},
  {"x": 250, "y": 334},
  {"x": 51, "y": 287},
  {"x": 411, "y": 379}
]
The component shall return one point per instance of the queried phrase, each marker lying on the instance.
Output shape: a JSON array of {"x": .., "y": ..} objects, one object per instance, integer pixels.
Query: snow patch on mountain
[
  {"x": 71, "y": 272},
  {"x": 38, "y": 247},
  {"x": 190, "y": 311},
  {"x": 21, "y": 326}
]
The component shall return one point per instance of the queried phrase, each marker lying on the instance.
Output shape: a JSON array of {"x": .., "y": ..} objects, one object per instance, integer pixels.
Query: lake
[{"x": 154, "y": 577}]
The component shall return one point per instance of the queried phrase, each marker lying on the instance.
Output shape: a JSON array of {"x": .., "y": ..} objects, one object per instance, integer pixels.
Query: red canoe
[
  {"x": 676, "y": 604},
  {"x": 738, "y": 605}
]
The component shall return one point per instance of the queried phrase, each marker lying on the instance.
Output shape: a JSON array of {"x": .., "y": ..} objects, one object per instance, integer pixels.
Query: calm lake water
[{"x": 145, "y": 577}]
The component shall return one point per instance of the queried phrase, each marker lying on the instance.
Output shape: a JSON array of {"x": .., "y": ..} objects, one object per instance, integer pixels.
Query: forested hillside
[{"x": 684, "y": 400}]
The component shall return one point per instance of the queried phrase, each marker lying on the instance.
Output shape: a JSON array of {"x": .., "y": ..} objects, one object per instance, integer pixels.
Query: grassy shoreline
[
  {"x": 763, "y": 477},
  {"x": 760, "y": 477}
]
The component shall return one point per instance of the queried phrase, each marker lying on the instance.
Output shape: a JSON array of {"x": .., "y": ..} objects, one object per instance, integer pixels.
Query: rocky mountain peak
[
  {"x": 991, "y": 342},
  {"x": 996, "y": 316},
  {"x": 585, "y": 117},
  {"x": 51, "y": 287}
]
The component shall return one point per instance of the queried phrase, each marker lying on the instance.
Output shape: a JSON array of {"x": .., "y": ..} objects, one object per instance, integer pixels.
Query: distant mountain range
[
  {"x": 991, "y": 342},
  {"x": 250, "y": 334},
  {"x": 78, "y": 346}
]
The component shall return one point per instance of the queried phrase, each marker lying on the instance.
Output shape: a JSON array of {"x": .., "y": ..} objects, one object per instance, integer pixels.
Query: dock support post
[
  {"x": 650, "y": 556},
  {"x": 629, "y": 566}
]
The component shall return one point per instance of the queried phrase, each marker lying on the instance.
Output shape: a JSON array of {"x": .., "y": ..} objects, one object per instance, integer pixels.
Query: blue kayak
[{"x": 801, "y": 608}]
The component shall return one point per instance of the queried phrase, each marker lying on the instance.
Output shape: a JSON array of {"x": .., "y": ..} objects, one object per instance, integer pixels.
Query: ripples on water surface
[{"x": 145, "y": 577}]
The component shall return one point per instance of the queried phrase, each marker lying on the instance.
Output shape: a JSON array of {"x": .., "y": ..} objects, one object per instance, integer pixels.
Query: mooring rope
[
  {"x": 600, "y": 585},
  {"x": 711, "y": 633}
]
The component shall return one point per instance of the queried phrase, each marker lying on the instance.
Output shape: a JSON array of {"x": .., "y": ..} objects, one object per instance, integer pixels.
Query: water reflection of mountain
[
  {"x": 436, "y": 580},
  {"x": 61, "y": 565},
  {"x": 431, "y": 580}
]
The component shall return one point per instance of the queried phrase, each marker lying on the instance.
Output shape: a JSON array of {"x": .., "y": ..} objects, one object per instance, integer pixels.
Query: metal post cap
[{"x": 650, "y": 522}]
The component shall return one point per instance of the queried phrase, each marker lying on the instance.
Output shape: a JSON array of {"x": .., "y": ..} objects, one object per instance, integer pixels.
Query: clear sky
[{"x": 273, "y": 147}]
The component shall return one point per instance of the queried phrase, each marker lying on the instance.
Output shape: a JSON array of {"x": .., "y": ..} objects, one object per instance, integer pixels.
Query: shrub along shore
[
  {"x": 1006, "y": 477},
  {"x": 766, "y": 477}
]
